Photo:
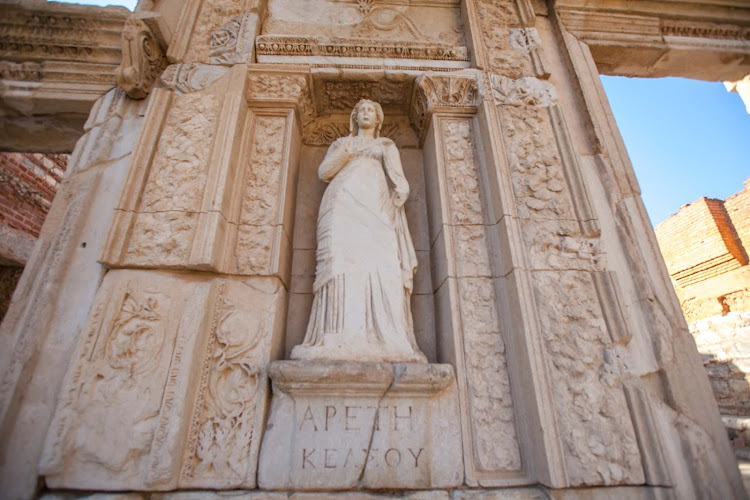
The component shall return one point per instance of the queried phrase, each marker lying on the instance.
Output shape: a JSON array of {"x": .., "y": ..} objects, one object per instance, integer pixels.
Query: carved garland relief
[
  {"x": 222, "y": 431},
  {"x": 491, "y": 406},
  {"x": 172, "y": 196},
  {"x": 258, "y": 228},
  {"x": 597, "y": 433}
]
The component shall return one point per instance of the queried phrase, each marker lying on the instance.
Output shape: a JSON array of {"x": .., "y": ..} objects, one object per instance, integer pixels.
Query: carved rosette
[
  {"x": 434, "y": 93},
  {"x": 142, "y": 59}
]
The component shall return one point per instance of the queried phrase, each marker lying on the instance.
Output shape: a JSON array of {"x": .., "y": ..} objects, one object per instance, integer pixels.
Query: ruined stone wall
[
  {"x": 705, "y": 247},
  {"x": 724, "y": 343},
  {"x": 737, "y": 207},
  {"x": 28, "y": 183}
]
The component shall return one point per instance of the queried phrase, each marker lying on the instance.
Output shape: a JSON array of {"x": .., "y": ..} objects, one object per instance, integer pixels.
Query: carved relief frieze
[
  {"x": 538, "y": 177},
  {"x": 482, "y": 367},
  {"x": 126, "y": 342},
  {"x": 341, "y": 95},
  {"x": 261, "y": 236},
  {"x": 233, "y": 42},
  {"x": 167, "y": 214},
  {"x": 598, "y": 435},
  {"x": 669, "y": 27},
  {"x": 286, "y": 45},
  {"x": 160, "y": 349},
  {"x": 61, "y": 33},
  {"x": 262, "y": 179},
  {"x": 527, "y": 91},
  {"x": 462, "y": 178},
  {"x": 368, "y": 20},
  {"x": 209, "y": 32},
  {"x": 283, "y": 88},
  {"x": 224, "y": 430},
  {"x": 55, "y": 43},
  {"x": 191, "y": 77},
  {"x": 527, "y": 40},
  {"x": 179, "y": 167},
  {"x": 509, "y": 45},
  {"x": 347, "y": 30},
  {"x": 142, "y": 59},
  {"x": 28, "y": 71}
]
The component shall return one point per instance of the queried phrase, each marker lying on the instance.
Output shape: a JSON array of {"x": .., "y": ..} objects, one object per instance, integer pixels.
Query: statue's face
[{"x": 367, "y": 116}]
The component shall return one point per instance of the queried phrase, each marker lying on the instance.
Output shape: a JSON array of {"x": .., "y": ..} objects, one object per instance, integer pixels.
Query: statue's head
[{"x": 354, "y": 118}]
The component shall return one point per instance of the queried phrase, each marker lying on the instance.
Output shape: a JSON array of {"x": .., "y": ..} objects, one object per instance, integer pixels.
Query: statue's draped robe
[{"x": 365, "y": 258}]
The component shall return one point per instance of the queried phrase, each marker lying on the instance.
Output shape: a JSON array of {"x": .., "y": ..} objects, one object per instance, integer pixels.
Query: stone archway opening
[{"x": 686, "y": 140}]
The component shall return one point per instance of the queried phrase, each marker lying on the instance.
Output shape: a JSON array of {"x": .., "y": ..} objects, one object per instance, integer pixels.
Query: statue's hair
[{"x": 354, "y": 127}]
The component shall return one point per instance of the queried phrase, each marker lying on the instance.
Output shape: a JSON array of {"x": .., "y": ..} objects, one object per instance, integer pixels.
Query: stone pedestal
[{"x": 343, "y": 425}]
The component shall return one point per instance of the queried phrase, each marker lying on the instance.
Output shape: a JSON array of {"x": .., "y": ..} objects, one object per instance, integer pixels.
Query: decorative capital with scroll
[
  {"x": 143, "y": 59},
  {"x": 438, "y": 93}
]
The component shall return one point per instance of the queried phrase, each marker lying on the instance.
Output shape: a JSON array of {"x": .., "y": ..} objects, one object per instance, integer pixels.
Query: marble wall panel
[
  {"x": 167, "y": 388},
  {"x": 216, "y": 188},
  {"x": 467, "y": 318}
]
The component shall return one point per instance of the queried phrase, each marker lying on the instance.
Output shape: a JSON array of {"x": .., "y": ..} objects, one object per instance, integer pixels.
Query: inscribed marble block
[{"x": 344, "y": 425}]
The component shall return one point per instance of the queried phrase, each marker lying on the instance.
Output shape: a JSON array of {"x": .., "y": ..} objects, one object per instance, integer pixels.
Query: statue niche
[{"x": 366, "y": 262}]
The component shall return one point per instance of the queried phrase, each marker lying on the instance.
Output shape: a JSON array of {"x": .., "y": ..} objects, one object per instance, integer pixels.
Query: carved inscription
[{"x": 341, "y": 420}]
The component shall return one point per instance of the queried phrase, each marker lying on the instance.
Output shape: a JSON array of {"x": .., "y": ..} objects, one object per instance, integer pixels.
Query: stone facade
[{"x": 560, "y": 366}]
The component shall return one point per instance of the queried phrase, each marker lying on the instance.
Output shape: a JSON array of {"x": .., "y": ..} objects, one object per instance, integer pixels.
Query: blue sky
[{"x": 686, "y": 139}]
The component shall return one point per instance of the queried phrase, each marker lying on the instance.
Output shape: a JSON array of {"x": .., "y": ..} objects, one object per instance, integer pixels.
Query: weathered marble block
[{"x": 343, "y": 425}]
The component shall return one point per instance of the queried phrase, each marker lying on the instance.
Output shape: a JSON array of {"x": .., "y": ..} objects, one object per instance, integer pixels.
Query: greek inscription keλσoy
[{"x": 394, "y": 418}]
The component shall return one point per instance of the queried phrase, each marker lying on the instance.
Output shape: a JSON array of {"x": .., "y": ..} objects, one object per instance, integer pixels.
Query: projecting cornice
[{"x": 698, "y": 39}]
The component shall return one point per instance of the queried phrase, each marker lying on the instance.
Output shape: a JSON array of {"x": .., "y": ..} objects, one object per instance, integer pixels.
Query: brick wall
[
  {"x": 700, "y": 242},
  {"x": 705, "y": 246},
  {"x": 738, "y": 210},
  {"x": 28, "y": 183}
]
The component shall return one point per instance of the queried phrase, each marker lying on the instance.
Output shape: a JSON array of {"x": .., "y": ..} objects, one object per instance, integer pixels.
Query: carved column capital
[
  {"x": 142, "y": 59},
  {"x": 282, "y": 89},
  {"x": 435, "y": 93}
]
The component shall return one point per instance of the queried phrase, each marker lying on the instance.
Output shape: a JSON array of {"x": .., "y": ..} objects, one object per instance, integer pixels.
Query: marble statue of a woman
[{"x": 365, "y": 258}]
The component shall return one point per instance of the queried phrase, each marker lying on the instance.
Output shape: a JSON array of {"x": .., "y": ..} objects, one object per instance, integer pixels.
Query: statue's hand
[{"x": 399, "y": 198}]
